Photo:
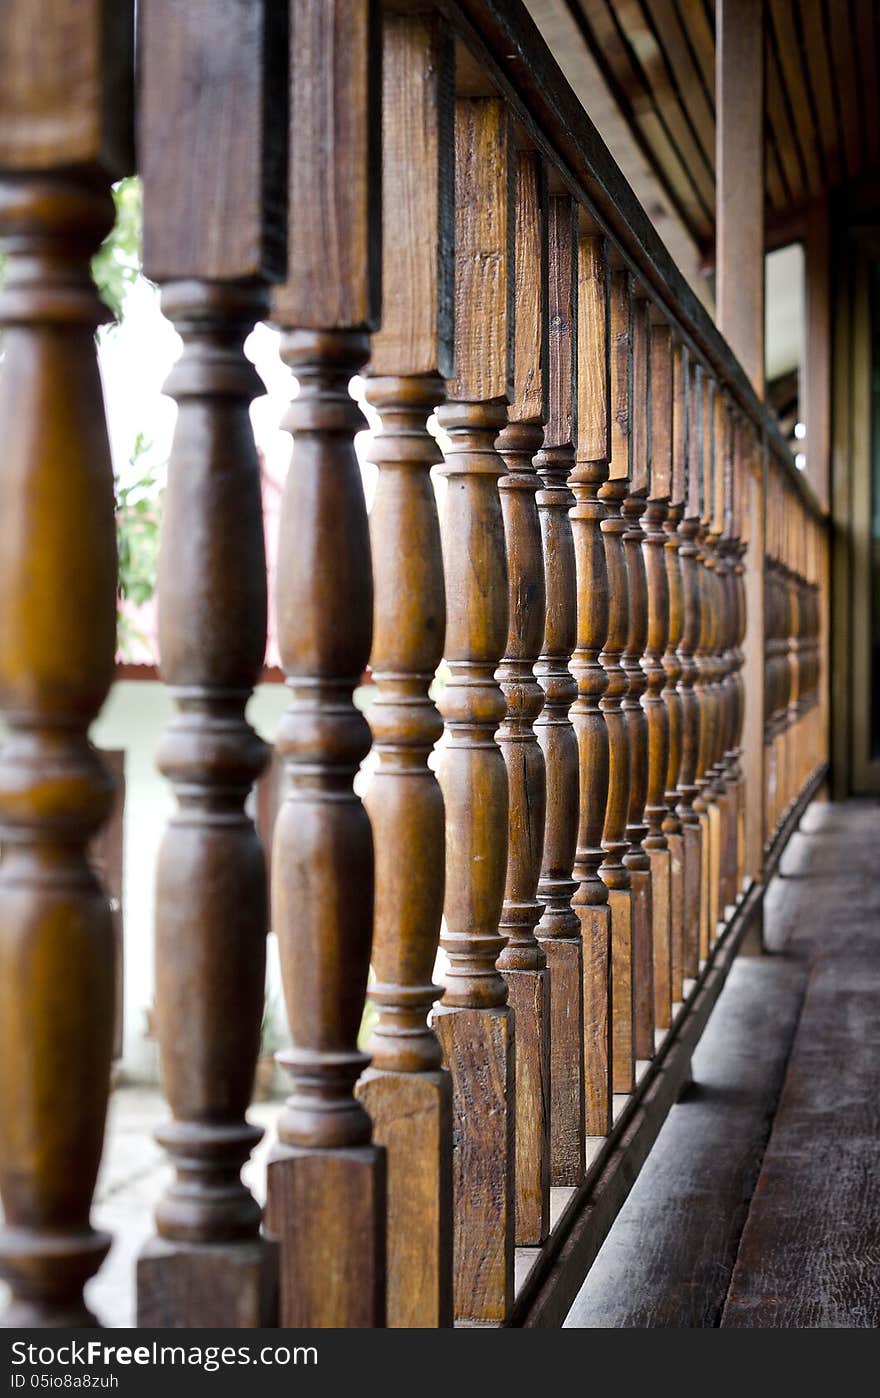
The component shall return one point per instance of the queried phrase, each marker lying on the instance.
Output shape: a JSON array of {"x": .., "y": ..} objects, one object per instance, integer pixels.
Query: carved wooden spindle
[
  {"x": 474, "y": 1022},
  {"x": 690, "y": 713},
  {"x": 406, "y": 1090},
  {"x": 326, "y": 1180},
  {"x": 713, "y": 789},
  {"x": 593, "y": 445},
  {"x": 208, "y": 1265},
  {"x": 637, "y": 860},
  {"x": 703, "y": 693},
  {"x": 727, "y": 759},
  {"x": 523, "y": 960},
  {"x": 672, "y": 826},
  {"x": 614, "y": 841},
  {"x": 656, "y": 841},
  {"x": 61, "y": 143},
  {"x": 723, "y": 653},
  {"x": 559, "y": 930},
  {"x": 737, "y": 586}
]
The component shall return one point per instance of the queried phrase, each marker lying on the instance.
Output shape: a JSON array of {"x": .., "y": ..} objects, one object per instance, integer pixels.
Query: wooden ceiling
[{"x": 822, "y": 104}]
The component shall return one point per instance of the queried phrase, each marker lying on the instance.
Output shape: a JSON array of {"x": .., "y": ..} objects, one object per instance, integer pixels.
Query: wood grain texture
[
  {"x": 613, "y": 871},
  {"x": 474, "y": 1022},
  {"x": 326, "y": 1181},
  {"x": 418, "y": 195},
  {"x": 587, "y": 715},
  {"x": 484, "y": 251},
  {"x": 57, "y": 642},
  {"x": 559, "y": 930},
  {"x": 480, "y": 1047},
  {"x": 740, "y": 173},
  {"x": 806, "y": 1259},
  {"x": 211, "y": 899},
  {"x": 688, "y": 530},
  {"x": 407, "y": 1091},
  {"x": 523, "y": 960},
  {"x": 636, "y": 860},
  {"x": 213, "y": 97},
  {"x": 66, "y": 96},
  {"x": 675, "y": 1239},
  {"x": 334, "y": 196}
]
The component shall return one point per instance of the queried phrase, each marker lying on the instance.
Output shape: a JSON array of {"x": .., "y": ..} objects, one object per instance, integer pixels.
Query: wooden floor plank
[
  {"x": 732, "y": 1222},
  {"x": 809, "y": 1256},
  {"x": 668, "y": 1259}
]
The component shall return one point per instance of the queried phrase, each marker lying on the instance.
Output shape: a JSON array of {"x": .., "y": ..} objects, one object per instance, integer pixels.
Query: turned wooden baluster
[
  {"x": 614, "y": 841},
  {"x": 559, "y": 930},
  {"x": 61, "y": 143},
  {"x": 738, "y": 607},
  {"x": 771, "y": 625},
  {"x": 406, "y": 1090},
  {"x": 326, "y": 1180},
  {"x": 523, "y": 960},
  {"x": 727, "y": 762},
  {"x": 713, "y": 790},
  {"x": 672, "y": 826},
  {"x": 637, "y": 860},
  {"x": 209, "y": 1266},
  {"x": 474, "y": 1022},
  {"x": 690, "y": 712},
  {"x": 703, "y": 656},
  {"x": 593, "y": 446},
  {"x": 656, "y": 842}
]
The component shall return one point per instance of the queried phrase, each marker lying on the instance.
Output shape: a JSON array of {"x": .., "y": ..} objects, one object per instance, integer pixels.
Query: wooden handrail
[
  {"x": 620, "y": 572},
  {"x": 505, "y": 40}
]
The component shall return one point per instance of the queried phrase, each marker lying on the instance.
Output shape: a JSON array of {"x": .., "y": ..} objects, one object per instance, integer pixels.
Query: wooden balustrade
[
  {"x": 326, "y": 1178},
  {"x": 593, "y": 450},
  {"x": 637, "y": 860},
  {"x": 407, "y": 1091},
  {"x": 656, "y": 703},
  {"x": 559, "y": 930},
  {"x": 672, "y": 668},
  {"x": 690, "y": 705},
  {"x": 614, "y": 842},
  {"x": 208, "y": 1264},
  {"x": 616, "y": 599},
  {"x": 65, "y": 133},
  {"x": 475, "y": 1021},
  {"x": 523, "y": 960}
]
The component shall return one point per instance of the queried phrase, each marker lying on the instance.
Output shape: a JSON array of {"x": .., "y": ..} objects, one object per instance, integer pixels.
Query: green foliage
[
  {"x": 138, "y": 511},
  {"x": 116, "y": 265}
]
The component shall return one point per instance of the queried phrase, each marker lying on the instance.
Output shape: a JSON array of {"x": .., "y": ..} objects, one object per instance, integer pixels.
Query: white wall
[{"x": 133, "y": 718}]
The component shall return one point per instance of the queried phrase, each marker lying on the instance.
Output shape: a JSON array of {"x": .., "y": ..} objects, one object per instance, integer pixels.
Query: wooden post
[
  {"x": 739, "y": 166},
  {"x": 672, "y": 826},
  {"x": 65, "y": 133},
  {"x": 703, "y": 651},
  {"x": 690, "y": 709},
  {"x": 326, "y": 1180},
  {"x": 209, "y": 1266},
  {"x": 593, "y": 446},
  {"x": 657, "y": 711},
  {"x": 614, "y": 841},
  {"x": 637, "y": 860},
  {"x": 406, "y": 1090},
  {"x": 523, "y": 960},
  {"x": 559, "y": 930},
  {"x": 817, "y": 349},
  {"x": 753, "y": 659},
  {"x": 474, "y": 1022}
]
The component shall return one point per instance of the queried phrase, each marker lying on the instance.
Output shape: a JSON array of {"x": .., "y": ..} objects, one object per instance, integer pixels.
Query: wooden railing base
[
  {"x": 236, "y": 1283},
  {"x": 550, "y": 1277}
]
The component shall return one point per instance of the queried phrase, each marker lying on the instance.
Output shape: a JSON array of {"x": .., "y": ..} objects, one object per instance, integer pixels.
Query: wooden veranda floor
[{"x": 760, "y": 1203}]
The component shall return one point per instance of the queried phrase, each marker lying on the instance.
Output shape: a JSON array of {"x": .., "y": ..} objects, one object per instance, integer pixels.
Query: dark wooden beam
[{"x": 739, "y": 166}]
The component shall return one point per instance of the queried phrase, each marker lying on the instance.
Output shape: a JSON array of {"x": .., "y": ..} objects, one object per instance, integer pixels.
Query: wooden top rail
[{"x": 509, "y": 48}]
